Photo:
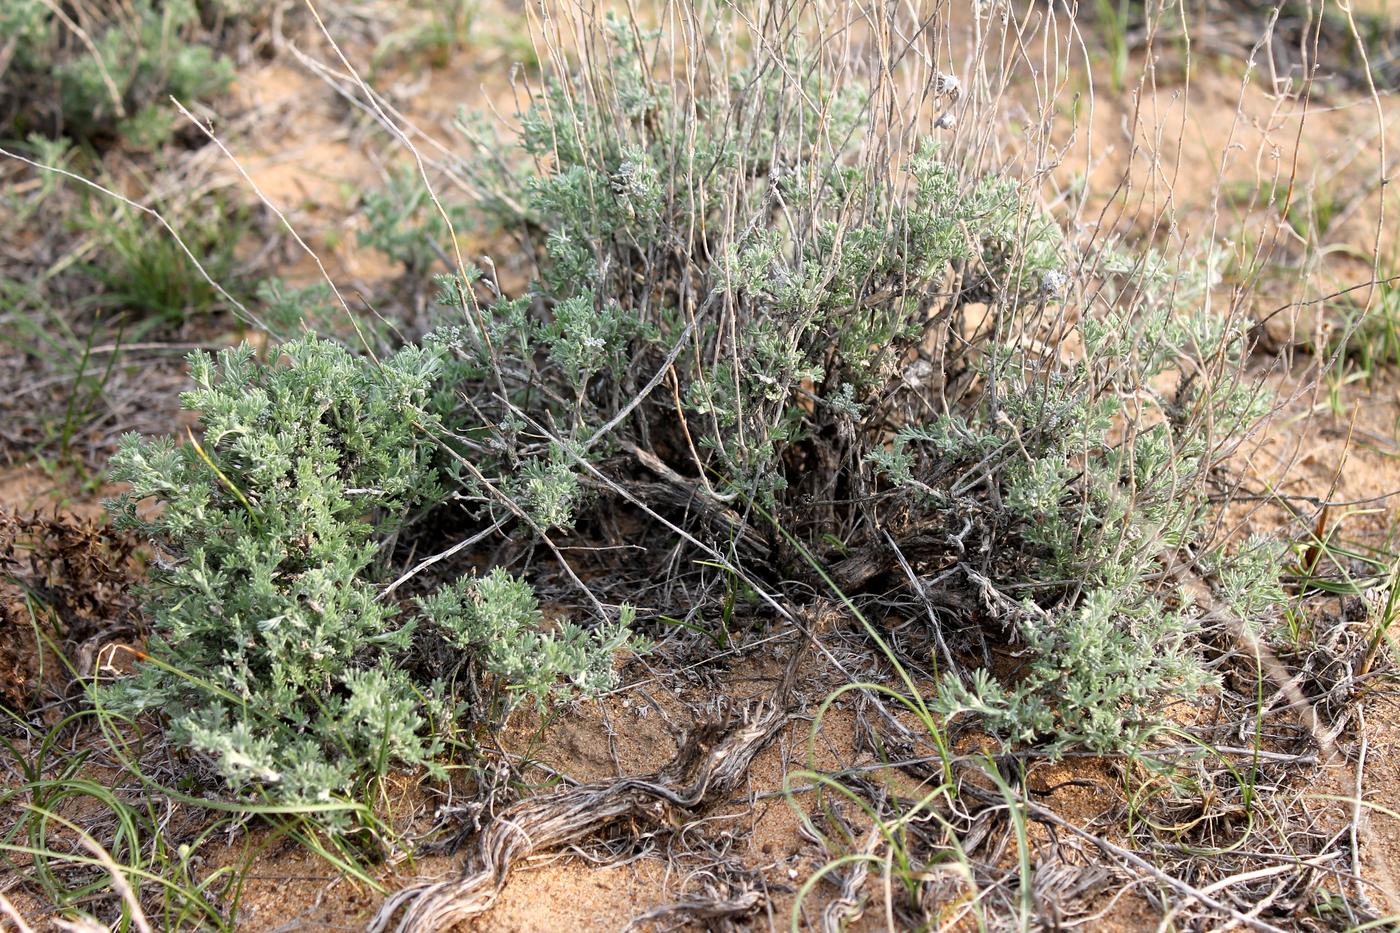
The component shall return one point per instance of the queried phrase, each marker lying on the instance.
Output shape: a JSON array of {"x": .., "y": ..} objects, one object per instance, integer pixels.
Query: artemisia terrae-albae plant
[
  {"x": 867, "y": 341},
  {"x": 779, "y": 313}
]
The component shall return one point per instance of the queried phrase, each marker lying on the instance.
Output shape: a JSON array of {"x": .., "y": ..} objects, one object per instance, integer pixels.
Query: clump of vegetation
[
  {"x": 443, "y": 28},
  {"x": 80, "y": 85},
  {"x": 810, "y": 311},
  {"x": 813, "y": 312},
  {"x": 273, "y": 653},
  {"x": 103, "y": 276},
  {"x": 98, "y": 74},
  {"x": 769, "y": 326},
  {"x": 402, "y": 222},
  {"x": 1099, "y": 474}
]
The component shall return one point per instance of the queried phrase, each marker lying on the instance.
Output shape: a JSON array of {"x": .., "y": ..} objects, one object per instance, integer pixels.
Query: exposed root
[
  {"x": 718, "y": 913},
  {"x": 712, "y": 760}
]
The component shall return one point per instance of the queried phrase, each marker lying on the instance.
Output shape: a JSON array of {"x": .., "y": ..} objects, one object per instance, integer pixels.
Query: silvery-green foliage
[
  {"x": 401, "y": 221},
  {"x": 1094, "y": 677},
  {"x": 1100, "y": 465},
  {"x": 272, "y": 652},
  {"x": 548, "y": 488},
  {"x": 732, "y": 207},
  {"x": 800, "y": 283},
  {"x": 724, "y": 278},
  {"x": 1250, "y": 579},
  {"x": 496, "y": 620}
]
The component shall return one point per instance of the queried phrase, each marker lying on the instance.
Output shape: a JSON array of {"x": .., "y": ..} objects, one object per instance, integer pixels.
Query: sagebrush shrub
[
  {"x": 737, "y": 296},
  {"x": 832, "y": 369}
]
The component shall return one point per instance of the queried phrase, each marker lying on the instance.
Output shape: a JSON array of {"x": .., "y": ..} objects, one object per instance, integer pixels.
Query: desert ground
[{"x": 1270, "y": 803}]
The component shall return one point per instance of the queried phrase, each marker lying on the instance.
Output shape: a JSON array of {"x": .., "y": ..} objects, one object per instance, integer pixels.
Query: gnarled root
[{"x": 712, "y": 761}]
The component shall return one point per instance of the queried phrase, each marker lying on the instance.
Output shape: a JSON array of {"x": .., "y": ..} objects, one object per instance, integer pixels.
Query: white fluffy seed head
[{"x": 1053, "y": 283}]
